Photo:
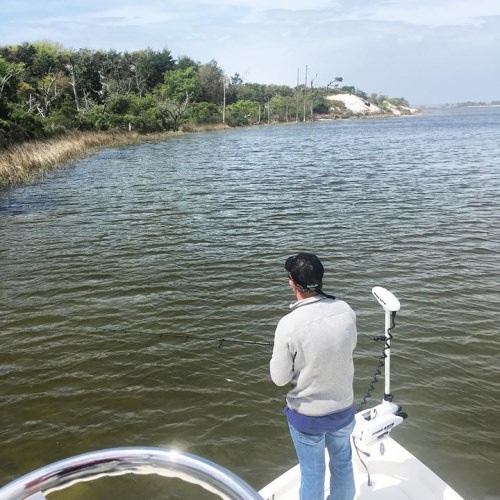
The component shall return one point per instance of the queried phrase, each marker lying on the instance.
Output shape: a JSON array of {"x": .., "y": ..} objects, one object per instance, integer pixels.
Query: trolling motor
[{"x": 377, "y": 422}]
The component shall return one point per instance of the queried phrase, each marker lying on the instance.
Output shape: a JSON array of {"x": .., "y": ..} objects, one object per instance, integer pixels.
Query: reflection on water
[{"x": 188, "y": 237}]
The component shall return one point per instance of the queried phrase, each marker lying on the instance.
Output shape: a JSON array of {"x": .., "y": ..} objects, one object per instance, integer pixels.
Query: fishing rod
[
  {"x": 220, "y": 340},
  {"x": 203, "y": 338},
  {"x": 385, "y": 298}
]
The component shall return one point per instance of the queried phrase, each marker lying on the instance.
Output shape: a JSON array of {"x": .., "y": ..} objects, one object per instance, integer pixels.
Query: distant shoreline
[
  {"x": 483, "y": 106},
  {"x": 26, "y": 162}
]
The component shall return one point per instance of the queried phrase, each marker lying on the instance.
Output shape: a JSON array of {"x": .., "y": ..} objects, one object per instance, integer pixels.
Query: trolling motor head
[
  {"x": 386, "y": 299},
  {"x": 377, "y": 422}
]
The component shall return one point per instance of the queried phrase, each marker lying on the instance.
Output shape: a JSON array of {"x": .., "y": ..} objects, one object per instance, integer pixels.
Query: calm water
[{"x": 189, "y": 236}]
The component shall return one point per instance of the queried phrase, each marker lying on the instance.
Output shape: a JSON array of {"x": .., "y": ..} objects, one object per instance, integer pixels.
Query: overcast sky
[{"x": 428, "y": 51}]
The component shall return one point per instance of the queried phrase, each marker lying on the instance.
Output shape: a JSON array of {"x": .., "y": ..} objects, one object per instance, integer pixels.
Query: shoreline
[{"x": 27, "y": 162}]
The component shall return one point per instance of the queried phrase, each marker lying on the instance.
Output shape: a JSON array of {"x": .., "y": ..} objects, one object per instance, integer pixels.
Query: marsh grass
[
  {"x": 25, "y": 162},
  {"x": 208, "y": 127}
]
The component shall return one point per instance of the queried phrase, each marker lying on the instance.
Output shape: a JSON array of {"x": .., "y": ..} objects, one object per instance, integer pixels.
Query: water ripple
[{"x": 103, "y": 261}]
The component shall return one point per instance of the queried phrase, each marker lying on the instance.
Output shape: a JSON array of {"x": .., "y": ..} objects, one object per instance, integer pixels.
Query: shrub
[
  {"x": 97, "y": 119},
  {"x": 63, "y": 119},
  {"x": 204, "y": 112},
  {"x": 242, "y": 113},
  {"x": 22, "y": 125}
]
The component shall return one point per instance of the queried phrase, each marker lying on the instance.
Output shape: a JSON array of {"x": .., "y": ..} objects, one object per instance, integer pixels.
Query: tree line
[{"x": 47, "y": 90}]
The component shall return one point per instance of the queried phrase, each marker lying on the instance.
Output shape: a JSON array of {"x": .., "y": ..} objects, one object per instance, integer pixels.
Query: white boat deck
[{"x": 394, "y": 472}]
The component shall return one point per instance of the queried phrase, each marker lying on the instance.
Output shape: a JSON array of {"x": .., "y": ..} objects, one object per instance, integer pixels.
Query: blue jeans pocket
[{"x": 310, "y": 439}]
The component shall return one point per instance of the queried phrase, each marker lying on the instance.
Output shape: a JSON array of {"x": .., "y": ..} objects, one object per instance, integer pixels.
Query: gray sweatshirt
[{"x": 313, "y": 346}]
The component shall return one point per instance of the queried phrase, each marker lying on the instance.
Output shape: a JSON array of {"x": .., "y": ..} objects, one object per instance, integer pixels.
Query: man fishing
[{"x": 313, "y": 351}]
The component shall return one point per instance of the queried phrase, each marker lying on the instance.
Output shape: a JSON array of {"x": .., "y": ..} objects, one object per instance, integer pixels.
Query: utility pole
[
  {"x": 224, "y": 103},
  {"x": 297, "y": 99},
  {"x": 305, "y": 88},
  {"x": 312, "y": 95}
]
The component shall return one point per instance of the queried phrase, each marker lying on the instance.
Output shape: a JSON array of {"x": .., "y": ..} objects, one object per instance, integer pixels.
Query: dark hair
[{"x": 306, "y": 271}]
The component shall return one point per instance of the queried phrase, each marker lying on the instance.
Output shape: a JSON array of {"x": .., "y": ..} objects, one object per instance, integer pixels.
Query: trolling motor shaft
[
  {"x": 377, "y": 422},
  {"x": 391, "y": 306}
]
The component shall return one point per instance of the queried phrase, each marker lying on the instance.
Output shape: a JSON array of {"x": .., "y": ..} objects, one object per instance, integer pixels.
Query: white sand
[
  {"x": 359, "y": 106},
  {"x": 355, "y": 104}
]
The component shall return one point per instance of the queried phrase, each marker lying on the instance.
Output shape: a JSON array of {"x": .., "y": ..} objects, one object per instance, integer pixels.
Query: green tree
[
  {"x": 50, "y": 90},
  {"x": 147, "y": 113},
  {"x": 242, "y": 113},
  {"x": 172, "y": 112},
  {"x": 64, "y": 118},
  {"x": 19, "y": 54},
  {"x": 204, "y": 112},
  {"x": 21, "y": 125},
  {"x": 10, "y": 109},
  {"x": 83, "y": 69},
  {"x": 236, "y": 79},
  {"x": 319, "y": 104},
  {"x": 96, "y": 118},
  {"x": 280, "y": 108},
  {"x": 185, "y": 62},
  {"x": 149, "y": 67},
  {"x": 181, "y": 82},
  {"x": 10, "y": 75},
  {"x": 49, "y": 57},
  {"x": 334, "y": 84},
  {"x": 212, "y": 81},
  {"x": 115, "y": 72},
  {"x": 252, "y": 92},
  {"x": 180, "y": 87}
]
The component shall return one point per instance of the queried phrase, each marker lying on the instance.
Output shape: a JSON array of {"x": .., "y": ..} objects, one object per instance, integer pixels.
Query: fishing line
[{"x": 189, "y": 336}]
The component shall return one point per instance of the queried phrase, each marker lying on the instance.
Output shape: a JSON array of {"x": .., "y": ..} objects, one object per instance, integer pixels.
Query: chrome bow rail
[{"x": 129, "y": 460}]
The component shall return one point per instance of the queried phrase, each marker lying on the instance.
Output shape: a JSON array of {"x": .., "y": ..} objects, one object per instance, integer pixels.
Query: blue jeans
[{"x": 310, "y": 450}]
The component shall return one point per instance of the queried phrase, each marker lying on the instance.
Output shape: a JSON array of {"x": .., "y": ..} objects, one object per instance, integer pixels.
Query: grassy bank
[
  {"x": 22, "y": 163},
  {"x": 25, "y": 162}
]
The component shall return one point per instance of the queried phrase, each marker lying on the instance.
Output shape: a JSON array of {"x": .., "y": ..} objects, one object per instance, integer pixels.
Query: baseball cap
[{"x": 306, "y": 270}]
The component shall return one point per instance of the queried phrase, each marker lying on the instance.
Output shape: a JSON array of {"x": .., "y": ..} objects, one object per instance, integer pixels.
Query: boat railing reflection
[{"x": 128, "y": 460}]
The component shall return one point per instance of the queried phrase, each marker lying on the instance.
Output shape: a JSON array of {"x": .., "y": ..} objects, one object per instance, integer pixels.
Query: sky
[{"x": 427, "y": 51}]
